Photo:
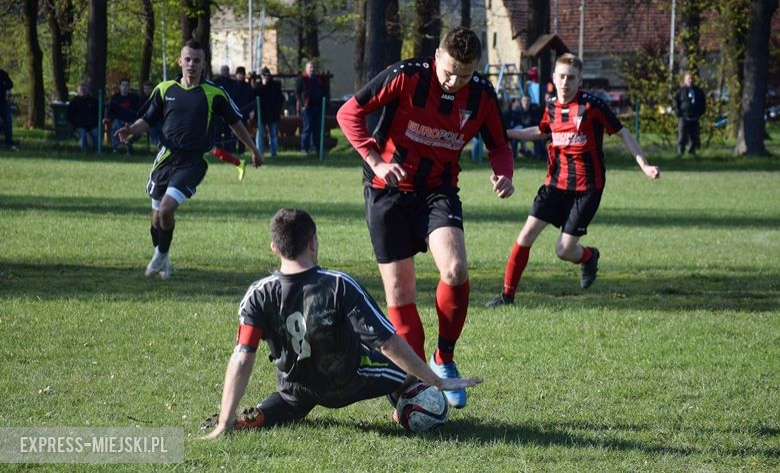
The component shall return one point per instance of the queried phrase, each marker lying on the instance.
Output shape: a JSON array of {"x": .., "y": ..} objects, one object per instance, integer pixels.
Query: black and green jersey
[{"x": 187, "y": 115}]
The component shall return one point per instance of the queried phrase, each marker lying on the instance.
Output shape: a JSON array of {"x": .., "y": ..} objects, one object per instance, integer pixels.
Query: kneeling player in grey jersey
[{"x": 329, "y": 341}]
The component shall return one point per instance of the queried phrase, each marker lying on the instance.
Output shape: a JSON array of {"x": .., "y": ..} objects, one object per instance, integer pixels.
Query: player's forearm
[
  {"x": 352, "y": 121},
  {"x": 139, "y": 126},
  {"x": 237, "y": 377},
  {"x": 400, "y": 353},
  {"x": 530, "y": 133},
  {"x": 633, "y": 147}
]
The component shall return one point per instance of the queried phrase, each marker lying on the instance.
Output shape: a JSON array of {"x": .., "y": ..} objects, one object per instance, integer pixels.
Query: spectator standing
[
  {"x": 523, "y": 114},
  {"x": 122, "y": 111},
  {"x": 146, "y": 94},
  {"x": 309, "y": 93},
  {"x": 430, "y": 108},
  {"x": 269, "y": 91},
  {"x": 329, "y": 341},
  {"x": 244, "y": 98},
  {"x": 185, "y": 107},
  {"x": 82, "y": 114},
  {"x": 689, "y": 105},
  {"x": 532, "y": 88},
  {"x": 6, "y": 84},
  {"x": 225, "y": 138}
]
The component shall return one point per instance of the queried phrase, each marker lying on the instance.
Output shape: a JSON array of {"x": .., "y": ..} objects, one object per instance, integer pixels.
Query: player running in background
[
  {"x": 431, "y": 107},
  {"x": 575, "y": 180},
  {"x": 185, "y": 107},
  {"x": 330, "y": 343}
]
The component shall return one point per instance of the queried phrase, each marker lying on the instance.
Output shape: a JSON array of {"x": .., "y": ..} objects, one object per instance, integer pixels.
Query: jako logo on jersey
[
  {"x": 434, "y": 136},
  {"x": 567, "y": 139},
  {"x": 464, "y": 117},
  {"x": 169, "y": 98},
  {"x": 447, "y": 97}
]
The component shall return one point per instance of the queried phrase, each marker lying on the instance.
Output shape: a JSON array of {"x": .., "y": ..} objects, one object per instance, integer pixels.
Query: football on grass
[{"x": 422, "y": 408}]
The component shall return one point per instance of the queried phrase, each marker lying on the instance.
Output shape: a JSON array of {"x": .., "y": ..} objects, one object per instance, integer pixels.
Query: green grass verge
[{"x": 669, "y": 362}]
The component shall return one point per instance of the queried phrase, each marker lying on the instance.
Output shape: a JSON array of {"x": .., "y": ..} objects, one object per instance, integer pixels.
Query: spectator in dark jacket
[
  {"x": 146, "y": 93},
  {"x": 122, "y": 111},
  {"x": 83, "y": 116},
  {"x": 271, "y": 102},
  {"x": 6, "y": 84},
  {"x": 309, "y": 92},
  {"x": 524, "y": 114},
  {"x": 689, "y": 105},
  {"x": 244, "y": 98}
]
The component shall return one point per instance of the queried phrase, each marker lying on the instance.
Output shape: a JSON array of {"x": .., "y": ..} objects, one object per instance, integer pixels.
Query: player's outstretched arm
[
  {"x": 400, "y": 353},
  {"x": 530, "y": 133},
  {"x": 127, "y": 132},
  {"x": 237, "y": 377},
  {"x": 653, "y": 172}
]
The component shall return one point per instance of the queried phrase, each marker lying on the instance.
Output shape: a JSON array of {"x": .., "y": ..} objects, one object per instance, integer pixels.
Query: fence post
[
  {"x": 260, "y": 129},
  {"x": 637, "y": 121},
  {"x": 322, "y": 131},
  {"x": 100, "y": 121}
]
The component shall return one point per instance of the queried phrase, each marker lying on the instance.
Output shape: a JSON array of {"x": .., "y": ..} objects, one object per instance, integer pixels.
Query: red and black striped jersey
[
  {"x": 422, "y": 127},
  {"x": 576, "y": 154}
]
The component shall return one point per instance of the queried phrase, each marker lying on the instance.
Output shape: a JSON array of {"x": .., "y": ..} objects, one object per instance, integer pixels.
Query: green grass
[{"x": 669, "y": 362}]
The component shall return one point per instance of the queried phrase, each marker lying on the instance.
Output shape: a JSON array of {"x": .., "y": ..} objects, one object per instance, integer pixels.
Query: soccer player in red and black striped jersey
[
  {"x": 571, "y": 194},
  {"x": 329, "y": 342},
  {"x": 430, "y": 108}
]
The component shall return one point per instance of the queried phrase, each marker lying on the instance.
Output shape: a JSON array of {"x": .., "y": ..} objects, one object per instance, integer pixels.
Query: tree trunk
[
  {"x": 37, "y": 116},
  {"x": 733, "y": 16},
  {"x": 689, "y": 35},
  {"x": 360, "y": 44},
  {"x": 309, "y": 39},
  {"x": 146, "y": 50},
  {"x": 195, "y": 22},
  {"x": 750, "y": 139},
  {"x": 97, "y": 54},
  {"x": 59, "y": 15},
  {"x": 428, "y": 25},
  {"x": 375, "y": 38},
  {"x": 395, "y": 34},
  {"x": 465, "y": 13}
]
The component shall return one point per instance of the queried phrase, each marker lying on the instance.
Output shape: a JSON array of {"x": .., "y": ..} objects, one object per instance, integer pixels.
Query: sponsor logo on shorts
[
  {"x": 454, "y": 217},
  {"x": 170, "y": 99}
]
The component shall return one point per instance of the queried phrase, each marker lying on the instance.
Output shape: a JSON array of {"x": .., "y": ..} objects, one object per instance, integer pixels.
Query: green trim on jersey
[{"x": 365, "y": 360}]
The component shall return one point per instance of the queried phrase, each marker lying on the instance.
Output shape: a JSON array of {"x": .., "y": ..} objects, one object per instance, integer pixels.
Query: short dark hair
[
  {"x": 463, "y": 45},
  {"x": 193, "y": 44},
  {"x": 241, "y": 70},
  {"x": 291, "y": 230}
]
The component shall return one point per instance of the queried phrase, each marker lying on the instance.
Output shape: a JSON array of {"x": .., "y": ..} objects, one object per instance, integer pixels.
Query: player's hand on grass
[
  {"x": 453, "y": 384},
  {"x": 653, "y": 172},
  {"x": 502, "y": 186},
  {"x": 393, "y": 174}
]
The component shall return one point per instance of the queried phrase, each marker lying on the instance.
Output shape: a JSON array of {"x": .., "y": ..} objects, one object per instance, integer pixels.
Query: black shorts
[
  {"x": 399, "y": 222},
  {"x": 375, "y": 377},
  {"x": 184, "y": 173},
  {"x": 571, "y": 211}
]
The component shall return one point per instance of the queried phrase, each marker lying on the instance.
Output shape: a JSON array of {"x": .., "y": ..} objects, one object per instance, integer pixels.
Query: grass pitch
[{"x": 669, "y": 362}]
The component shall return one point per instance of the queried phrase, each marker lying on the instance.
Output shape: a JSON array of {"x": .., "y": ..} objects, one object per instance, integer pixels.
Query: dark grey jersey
[{"x": 314, "y": 323}]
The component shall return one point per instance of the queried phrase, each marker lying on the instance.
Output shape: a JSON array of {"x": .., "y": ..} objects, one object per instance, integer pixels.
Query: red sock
[
  {"x": 518, "y": 259},
  {"x": 587, "y": 254},
  {"x": 408, "y": 326},
  {"x": 225, "y": 156},
  {"x": 452, "y": 304}
]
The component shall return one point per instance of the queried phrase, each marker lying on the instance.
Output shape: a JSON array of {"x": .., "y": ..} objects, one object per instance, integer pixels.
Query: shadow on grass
[
  {"x": 491, "y": 433},
  {"x": 730, "y": 289},
  {"x": 222, "y": 209}
]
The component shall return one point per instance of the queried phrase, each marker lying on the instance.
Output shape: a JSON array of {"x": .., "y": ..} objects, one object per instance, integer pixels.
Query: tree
[
  {"x": 195, "y": 22},
  {"x": 146, "y": 51},
  {"x": 690, "y": 32},
  {"x": 465, "y": 13},
  {"x": 750, "y": 138},
  {"x": 97, "y": 40},
  {"x": 60, "y": 16},
  {"x": 37, "y": 115},
  {"x": 308, "y": 31},
  {"x": 734, "y": 20},
  {"x": 376, "y": 34},
  {"x": 427, "y": 26},
  {"x": 360, "y": 44},
  {"x": 394, "y": 39}
]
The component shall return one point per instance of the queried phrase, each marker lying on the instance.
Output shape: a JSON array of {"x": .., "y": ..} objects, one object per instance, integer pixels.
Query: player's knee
[{"x": 455, "y": 274}]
